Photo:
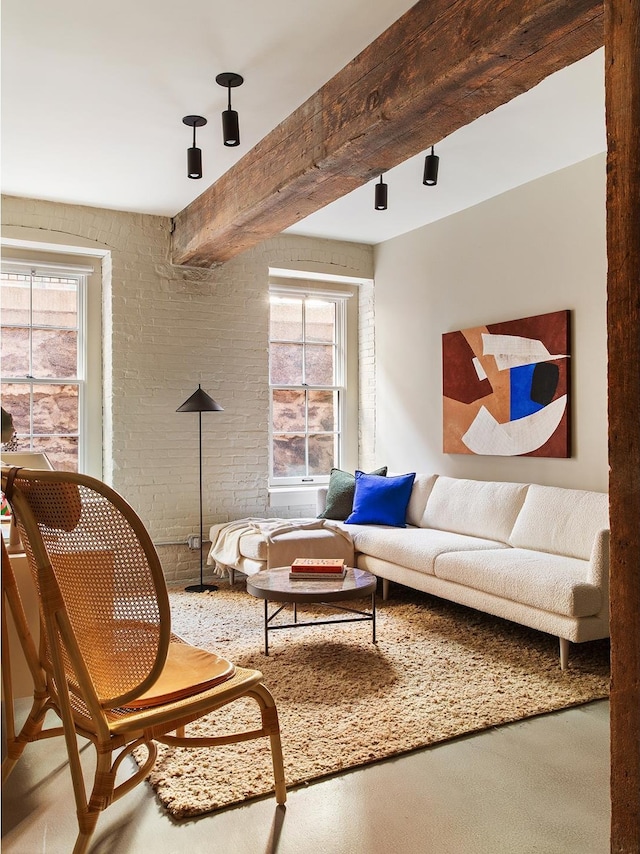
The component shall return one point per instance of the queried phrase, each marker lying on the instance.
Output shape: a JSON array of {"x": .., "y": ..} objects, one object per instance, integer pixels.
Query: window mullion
[{"x": 31, "y": 278}]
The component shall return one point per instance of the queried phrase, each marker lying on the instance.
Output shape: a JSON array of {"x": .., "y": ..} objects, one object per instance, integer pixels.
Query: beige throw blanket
[{"x": 225, "y": 538}]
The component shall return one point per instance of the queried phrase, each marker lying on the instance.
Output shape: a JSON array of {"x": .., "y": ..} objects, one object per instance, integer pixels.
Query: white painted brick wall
[
  {"x": 168, "y": 328},
  {"x": 367, "y": 379}
]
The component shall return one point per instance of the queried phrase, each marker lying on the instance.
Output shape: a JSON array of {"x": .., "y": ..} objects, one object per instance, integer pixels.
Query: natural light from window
[
  {"x": 306, "y": 386},
  {"x": 42, "y": 364}
]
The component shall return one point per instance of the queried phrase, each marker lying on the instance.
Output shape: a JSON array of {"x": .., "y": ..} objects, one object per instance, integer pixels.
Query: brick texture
[{"x": 168, "y": 328}]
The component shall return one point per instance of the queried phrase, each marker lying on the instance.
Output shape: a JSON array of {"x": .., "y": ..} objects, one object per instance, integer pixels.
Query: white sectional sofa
[{"x": 537, "y": 555}]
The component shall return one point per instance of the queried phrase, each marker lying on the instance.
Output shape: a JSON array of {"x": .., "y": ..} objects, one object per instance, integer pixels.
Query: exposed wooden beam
[
  {"x": 439, "y": 67},
  {"x": 622, "y": 83}
]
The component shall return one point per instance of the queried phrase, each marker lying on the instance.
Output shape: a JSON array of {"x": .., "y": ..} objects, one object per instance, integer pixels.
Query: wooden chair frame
[{"x": 63, "y": 680}]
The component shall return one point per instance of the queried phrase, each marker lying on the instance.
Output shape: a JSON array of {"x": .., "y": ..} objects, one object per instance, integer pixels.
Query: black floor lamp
[{"x": 200, "y": 402}]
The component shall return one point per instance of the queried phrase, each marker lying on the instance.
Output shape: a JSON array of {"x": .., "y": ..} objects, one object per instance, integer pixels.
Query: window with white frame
[
  {"x": 307, "y": 379},
  {"x": 44, "y": 358}
]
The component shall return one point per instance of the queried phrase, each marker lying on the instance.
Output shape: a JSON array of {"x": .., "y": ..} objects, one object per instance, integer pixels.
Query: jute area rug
[{"x": 438, "y": 671}]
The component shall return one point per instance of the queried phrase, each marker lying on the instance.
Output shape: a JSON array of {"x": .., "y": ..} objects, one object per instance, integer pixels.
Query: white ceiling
[{"x": 93, "y": 98}]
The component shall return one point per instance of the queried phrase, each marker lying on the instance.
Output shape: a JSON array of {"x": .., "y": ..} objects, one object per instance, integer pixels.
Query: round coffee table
[{"x": 274, "y": 585}]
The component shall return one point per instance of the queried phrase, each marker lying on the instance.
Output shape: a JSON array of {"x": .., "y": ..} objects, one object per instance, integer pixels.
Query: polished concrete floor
[{"x": 535, "y": 787}]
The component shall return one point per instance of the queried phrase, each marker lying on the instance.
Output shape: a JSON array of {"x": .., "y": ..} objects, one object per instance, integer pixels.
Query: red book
[{"x": 314, "y": 564}]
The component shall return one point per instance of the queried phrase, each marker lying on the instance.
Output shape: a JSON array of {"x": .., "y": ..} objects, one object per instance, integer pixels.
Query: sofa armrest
[
  {"x": 599, "y": 565},
  {"x": 321, "y": 499}
]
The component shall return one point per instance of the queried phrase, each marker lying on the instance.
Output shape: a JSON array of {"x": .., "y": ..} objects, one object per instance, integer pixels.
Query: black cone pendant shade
[
  {"x": 200, "y": 402},
  {"x": 230, "y": 123}
]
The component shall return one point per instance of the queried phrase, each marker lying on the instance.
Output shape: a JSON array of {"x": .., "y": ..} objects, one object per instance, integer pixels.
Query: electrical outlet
[{"x": 193, "y": 541}]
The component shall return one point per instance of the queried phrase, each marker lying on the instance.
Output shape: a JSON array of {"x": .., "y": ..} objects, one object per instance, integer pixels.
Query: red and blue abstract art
[{"x": 506, "y": 388}]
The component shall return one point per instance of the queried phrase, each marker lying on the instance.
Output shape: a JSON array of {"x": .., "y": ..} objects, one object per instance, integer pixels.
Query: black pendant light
[
  {"x": 381, "y": 196},
  {"x": 431, "y": 162},
  {"x": 194, "y": 155},
  {"x": 230, "y": 123}
]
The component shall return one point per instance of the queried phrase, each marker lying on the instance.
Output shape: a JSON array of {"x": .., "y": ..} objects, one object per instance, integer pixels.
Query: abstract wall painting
[{"x": 506, "y": 388}]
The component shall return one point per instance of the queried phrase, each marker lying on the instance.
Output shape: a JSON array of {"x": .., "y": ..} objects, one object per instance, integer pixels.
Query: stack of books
[{"x": 316, "y": 569}]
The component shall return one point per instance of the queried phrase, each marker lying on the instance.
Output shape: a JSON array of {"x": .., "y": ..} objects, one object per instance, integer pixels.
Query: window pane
[
  {"x": 15, "y": 299},
  {"x": 289, "y": 456},
  {"x": 319, "y": 364},
  {"x": 286, "y": 364},
  {"x": 322, "y": 453},
  {"x": 55, "y": 409},
  {"x": 54, "y": 353},
  {"x": 288, "y": 410},
  {"x": 15, "y": 351},
  {"x": 286, "y": 319},
  {"x": 16, "y": 399},
  {"x": 61, "y": 450},
  {"x": 320, "y": 321},
  {"x": 55, "y": 301},
  {"x": 322, "y": 410}
]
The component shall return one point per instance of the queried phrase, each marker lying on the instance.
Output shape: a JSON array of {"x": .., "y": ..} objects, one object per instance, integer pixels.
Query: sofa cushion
[
  {"x": 477, "y": 508},
  {"x": 339, "y": 498},
  {"x": 312, "y": 542},
  {"x": 253, "y": 546},
  {"x": 415, "y": 548},
  {"x": 381, "y": 500},
  {"x": 550, "y": 582},
  {"x": 560, "y": 521},
  {"x": 422, "y": 486}
]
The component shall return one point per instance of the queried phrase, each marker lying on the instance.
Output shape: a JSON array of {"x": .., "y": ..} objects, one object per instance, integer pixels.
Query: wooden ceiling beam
[{"x": 442, "y": 65}]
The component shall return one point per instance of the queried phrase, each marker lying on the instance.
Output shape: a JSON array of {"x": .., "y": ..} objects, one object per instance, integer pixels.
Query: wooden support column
[
  {"x": 622, "y": 60},
  {"x": 440, "y": 66}
]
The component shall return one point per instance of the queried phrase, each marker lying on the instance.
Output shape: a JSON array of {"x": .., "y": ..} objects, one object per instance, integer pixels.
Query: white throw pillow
[{"x": 422, "y": 486}]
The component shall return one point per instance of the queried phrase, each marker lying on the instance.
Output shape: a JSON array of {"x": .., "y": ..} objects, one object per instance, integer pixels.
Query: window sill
[{"x": 291, "y": 496}]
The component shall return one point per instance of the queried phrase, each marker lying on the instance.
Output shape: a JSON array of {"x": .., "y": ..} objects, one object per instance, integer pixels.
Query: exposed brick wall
[
  {"x": 367, "y": 381},
  {"x": 166, "y": 329}
]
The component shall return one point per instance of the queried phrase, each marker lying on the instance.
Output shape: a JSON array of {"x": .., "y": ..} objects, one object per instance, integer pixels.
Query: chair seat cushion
[{"x": 188, "y": 670}]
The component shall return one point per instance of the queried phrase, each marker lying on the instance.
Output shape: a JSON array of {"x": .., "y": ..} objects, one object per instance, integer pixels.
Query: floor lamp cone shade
[{"x": 200, "y": 402}]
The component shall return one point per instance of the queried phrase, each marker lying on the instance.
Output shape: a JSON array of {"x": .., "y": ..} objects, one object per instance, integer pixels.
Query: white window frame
[
  {"x": 81, "y": 272},
  {"x": 340, "y": 299}
]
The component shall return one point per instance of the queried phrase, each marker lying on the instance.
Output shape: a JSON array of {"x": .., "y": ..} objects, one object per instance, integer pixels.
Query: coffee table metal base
[
  {"x": 274, "y": 585},
  {"x": 360, "y": 616}
]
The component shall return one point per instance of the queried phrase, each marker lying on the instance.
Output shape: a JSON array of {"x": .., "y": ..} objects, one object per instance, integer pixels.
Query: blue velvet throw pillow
[{"x": 381, "y": 500}]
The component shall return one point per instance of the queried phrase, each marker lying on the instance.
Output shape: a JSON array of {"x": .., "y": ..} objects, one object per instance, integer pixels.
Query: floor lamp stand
[
  {"x": 202, "y": 587},
  {"x": 200, "y": 402}
]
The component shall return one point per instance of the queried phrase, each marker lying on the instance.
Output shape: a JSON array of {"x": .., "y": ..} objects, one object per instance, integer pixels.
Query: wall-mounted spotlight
[
  {"x": 380, "y": 203},
  {"x": 194, "y": 155},
  {"x": 230, "y": 124},
  {"x": 431, "y": 162}
]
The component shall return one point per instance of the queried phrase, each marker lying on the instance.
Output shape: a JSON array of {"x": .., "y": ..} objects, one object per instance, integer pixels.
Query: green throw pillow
[{"x": 342, "y": 487}]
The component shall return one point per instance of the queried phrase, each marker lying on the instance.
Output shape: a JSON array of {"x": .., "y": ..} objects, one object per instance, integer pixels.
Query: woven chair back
[{"x": 88, "y": 548}]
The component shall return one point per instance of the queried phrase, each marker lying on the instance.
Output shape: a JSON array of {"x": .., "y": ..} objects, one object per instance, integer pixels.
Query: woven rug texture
[{"x": 438, "y": 670}]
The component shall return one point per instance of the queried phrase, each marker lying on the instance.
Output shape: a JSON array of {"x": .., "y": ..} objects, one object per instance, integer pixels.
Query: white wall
[{"x": 536, "y": 249}]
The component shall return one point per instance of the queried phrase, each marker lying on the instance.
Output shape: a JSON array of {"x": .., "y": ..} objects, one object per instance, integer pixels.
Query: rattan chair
[{"x": 108, "y": 663}]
